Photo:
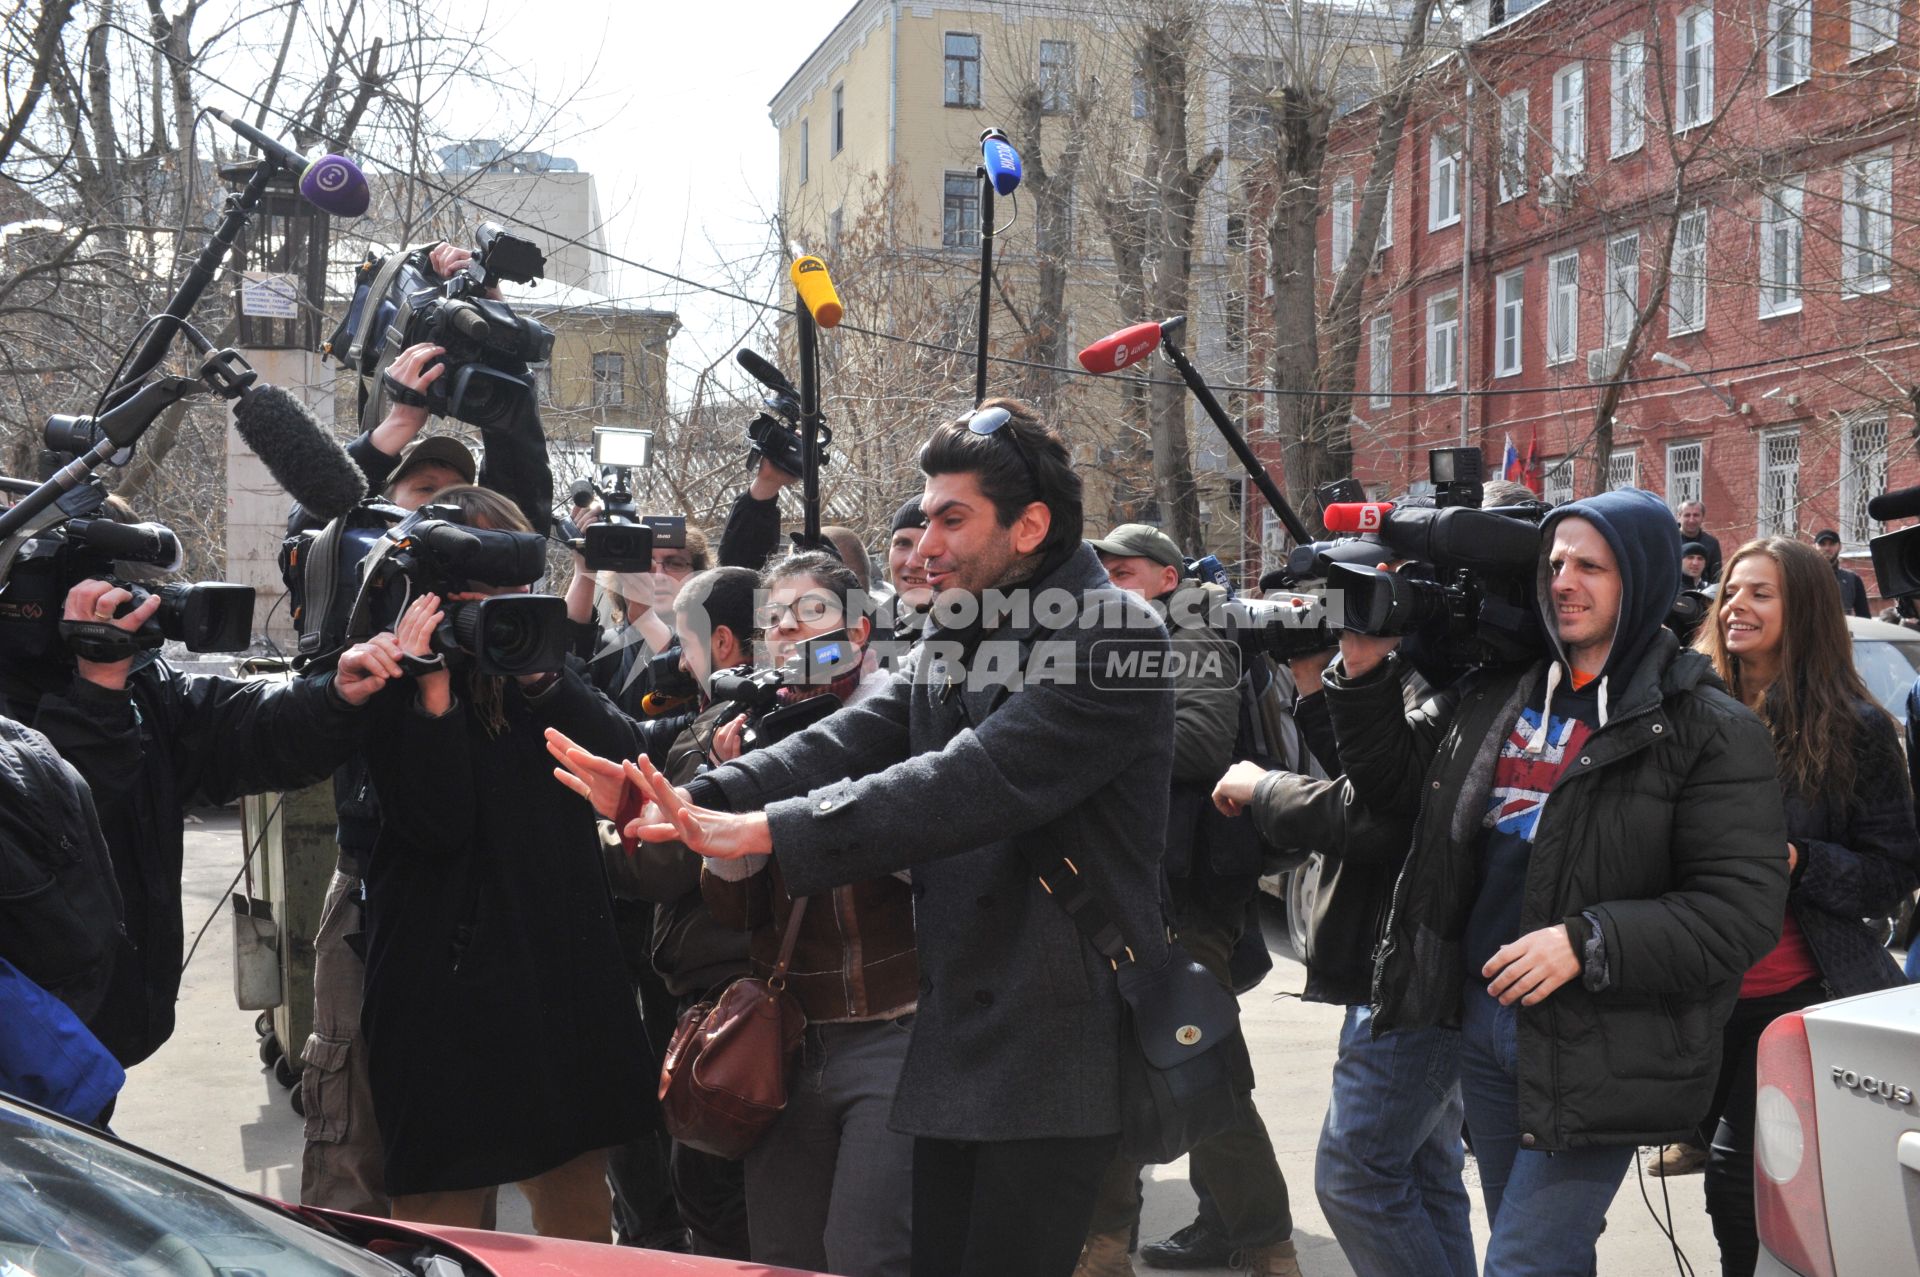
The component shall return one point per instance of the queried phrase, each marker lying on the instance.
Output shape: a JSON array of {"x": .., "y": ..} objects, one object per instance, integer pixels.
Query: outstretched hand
[
  {"x": 601, "y": 781},
  {"x": 670, "y": 815}
]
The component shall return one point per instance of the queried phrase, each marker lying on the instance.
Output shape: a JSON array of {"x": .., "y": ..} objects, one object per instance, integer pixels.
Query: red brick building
[{"x": 1639, "y": 189}]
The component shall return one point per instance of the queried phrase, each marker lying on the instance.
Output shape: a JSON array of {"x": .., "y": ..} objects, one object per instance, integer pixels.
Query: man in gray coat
[{"x": 1012, "y": 741}]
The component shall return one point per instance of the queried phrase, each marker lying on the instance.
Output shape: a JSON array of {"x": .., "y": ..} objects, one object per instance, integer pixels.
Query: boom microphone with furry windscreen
[{"x": 302, "y": 458}]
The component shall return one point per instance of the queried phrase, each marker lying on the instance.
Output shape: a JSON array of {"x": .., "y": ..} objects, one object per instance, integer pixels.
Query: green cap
[{"x": 1141, "y": 541}]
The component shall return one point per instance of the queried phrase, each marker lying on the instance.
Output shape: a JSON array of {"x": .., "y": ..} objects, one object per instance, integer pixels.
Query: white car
[{"x": 1837, "y": 1139}]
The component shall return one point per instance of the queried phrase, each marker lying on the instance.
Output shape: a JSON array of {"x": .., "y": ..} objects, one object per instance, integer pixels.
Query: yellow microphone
[{"x": 815, "y": 286}]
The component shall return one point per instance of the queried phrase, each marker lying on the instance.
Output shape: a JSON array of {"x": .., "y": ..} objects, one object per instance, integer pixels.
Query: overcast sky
[{"x": 673, "y": 108}]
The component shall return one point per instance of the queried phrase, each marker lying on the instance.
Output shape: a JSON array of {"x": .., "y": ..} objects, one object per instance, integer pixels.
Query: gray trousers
[
  {"x": 343, "y": 1167},
  {"x": 830, "y": 1187}
]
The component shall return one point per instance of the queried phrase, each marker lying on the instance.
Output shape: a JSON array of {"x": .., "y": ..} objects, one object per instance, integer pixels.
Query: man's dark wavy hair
[
  {"x": 725, "y": 596},
  {"x": 1003, "y": 477}
]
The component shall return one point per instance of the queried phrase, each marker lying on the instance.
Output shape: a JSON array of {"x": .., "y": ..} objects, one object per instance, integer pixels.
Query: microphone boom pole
[
  {"x": 808, "y": 335},
  {"x": 1231, "y": 433},
  {"x": 1000, "y": 172}
]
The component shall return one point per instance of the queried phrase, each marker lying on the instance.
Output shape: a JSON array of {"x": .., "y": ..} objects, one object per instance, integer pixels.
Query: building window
[
  {"x": 1866, "y": 220},
  {"x": 1627, "y": 129},
  {"x": 960, "y": 212},
  {"x": 803, "y": 153},
  {"x": 1341, "y": 215},
  {"x": 1353, "y": 88},
  {"x": 1779, "y": 482},
  {"x": 1252, "y": 125},
  {"x": 1385, "y": 238},
  {"x": 542, "y": 382},
  {"x": 1443, "y": 179},
  {"x": 1693, "y": 78},
  {"x": 609, "y": 379},
  {"x": 1510, "y": 290},
  {"x": 1789, "y": 33},
  {"x": 1623, "y": 288},
  {"x": 1380, "y": 362},
  {"x": 1556, "y": 482},
  {"x": 839, "y": 120},
  {"x": 1687, "y": 283},
  {"x": 963, "y": 69},
  {"x": 1875, "y": 25},
  {"x": 1513, "y": 146},
  {"x": 1056, "y": 76},
  {"x": 1780, "y": 232},
  {"x": 1623, "y": 470},
  {"x": 1570, "y": 119},
  {"x": 836, "y": 221},
  {"x": 1863, "y": 476},
  {"x": 1443, "y": 341},
  {"x": 1139, "y": 94},
  {"x": 1563, "y": 307},
  {"x": 1686, "y": 464}
]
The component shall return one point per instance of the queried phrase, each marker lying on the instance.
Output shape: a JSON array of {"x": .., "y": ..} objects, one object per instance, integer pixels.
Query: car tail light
[{"x": 1790, "y": 1205}]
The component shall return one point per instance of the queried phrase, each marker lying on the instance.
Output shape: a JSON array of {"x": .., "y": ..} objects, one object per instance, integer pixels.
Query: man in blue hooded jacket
[{"x": 1599, "y": 852}]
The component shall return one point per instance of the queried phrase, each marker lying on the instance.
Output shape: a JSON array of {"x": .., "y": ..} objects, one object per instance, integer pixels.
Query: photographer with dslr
[
  {"x": 150, "y": 741},
  {"x": 1598, "y": 854},
  {"x": 504, "y": 1044},
  {"x": 979, "y": 783},
  {"x": 829, "y": 1186}
]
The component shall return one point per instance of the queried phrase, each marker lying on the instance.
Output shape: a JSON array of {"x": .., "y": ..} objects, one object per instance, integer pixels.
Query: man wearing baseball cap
[
  {"x": 427, "y": 465},
  {"x": 1213, "y": 868},
  {"x": 1853, "y": 591}
]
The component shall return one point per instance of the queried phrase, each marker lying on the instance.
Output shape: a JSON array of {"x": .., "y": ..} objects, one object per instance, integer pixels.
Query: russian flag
[{"x": 1510, "y": 464}]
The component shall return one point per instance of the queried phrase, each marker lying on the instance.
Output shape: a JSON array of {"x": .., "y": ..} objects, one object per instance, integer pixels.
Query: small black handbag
[{"x": 1185, "y": 1074}]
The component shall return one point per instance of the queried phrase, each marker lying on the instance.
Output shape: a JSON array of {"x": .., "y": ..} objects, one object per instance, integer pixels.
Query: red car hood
[{"x": 519, "y": 1255}]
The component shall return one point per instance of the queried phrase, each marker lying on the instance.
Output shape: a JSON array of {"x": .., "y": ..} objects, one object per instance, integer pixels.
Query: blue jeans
[
  {"x": 1546, "y": 1209},
  {"x": 1388, "y": 1170}
]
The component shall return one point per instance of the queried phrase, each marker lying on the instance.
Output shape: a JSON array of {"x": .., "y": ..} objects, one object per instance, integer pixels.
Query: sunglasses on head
[{"x": 990, "y": 422}]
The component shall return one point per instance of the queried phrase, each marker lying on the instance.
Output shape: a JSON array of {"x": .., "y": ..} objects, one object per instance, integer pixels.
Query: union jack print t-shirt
[{"x": 1521, "y": 783}]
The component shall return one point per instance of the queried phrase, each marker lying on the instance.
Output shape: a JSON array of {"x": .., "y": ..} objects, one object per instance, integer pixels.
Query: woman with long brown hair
[{"x": 1778, "y": 638}]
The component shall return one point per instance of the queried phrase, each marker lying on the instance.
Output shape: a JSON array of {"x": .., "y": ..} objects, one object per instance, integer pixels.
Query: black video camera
[
  {"x": 756, "y": 692},
  {"x": 74, "y": 546},
  {"x": 399, "y": 302},
  {"x": 775, "y": 432},
  {"x": 623, "y": 541}
]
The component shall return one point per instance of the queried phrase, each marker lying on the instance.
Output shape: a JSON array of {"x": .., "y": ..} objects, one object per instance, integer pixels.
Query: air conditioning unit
[{"x": 1601, "y": 362}]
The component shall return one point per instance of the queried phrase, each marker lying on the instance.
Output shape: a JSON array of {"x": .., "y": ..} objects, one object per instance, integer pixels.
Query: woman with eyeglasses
[
  {"x": 1777, "y": 637},
  {"x": 829, "y": 1187}
]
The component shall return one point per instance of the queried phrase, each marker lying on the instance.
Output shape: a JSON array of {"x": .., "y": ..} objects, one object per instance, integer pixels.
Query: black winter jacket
[
  {"x": 1668, "y": 830},
  {"x": 168, "y": 741},
  {"x": 1855, "y": 863}
]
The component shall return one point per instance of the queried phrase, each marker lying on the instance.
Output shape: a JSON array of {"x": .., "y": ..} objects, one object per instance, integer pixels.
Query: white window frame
[
  {"x": 1693, "y": 68},
  {"x": 1556, "y": 480},
  {"x": 1686, "y": 472},
  {"x": 1862, "y": 478},
  {"x": 1789, "y": 43},
  {"x": 609, "y": 371},
  {"x": 1563, "y": 303},
  {"x": 1627, "y": 113},
  {"x": 1872, "y": 25},
  {"x": 1513, "y": 146},
  {"x": 1510, "y": 298},
  {"x": 1340, "y": 215},
  {"x": 1687, "y": 277},
  {"x": 1570, "y": 119},
  {"x": 1768, "y": 520},
  {"x": 1443, "y": 179},
  {"x": 1621, "y": 302},
  {"x": 805, "y": 163},
  {"x": 1623, "y": 469},
  {"x": 1056, "y": 78},
  {"x": 953, "y": 72},
  {"x": 1385, "y": 238},
  {"x": 1783, "y": 232},
  {"x": 1866, "y": 223},
  {"x": 1380, "y": 362},
  {"x": 959, "y": 180},
  {"x": 838, "y": 128},
  {"x": 1443, "y": 337}
]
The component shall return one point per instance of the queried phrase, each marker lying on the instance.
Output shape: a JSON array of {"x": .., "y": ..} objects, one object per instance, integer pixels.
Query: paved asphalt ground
[{"x": 205, "y": 1100}]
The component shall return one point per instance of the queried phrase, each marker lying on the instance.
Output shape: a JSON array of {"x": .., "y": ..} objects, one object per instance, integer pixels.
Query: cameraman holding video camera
[
  {"x": 149, "y": 741},
  {"x": 1598, "y": 854}
]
